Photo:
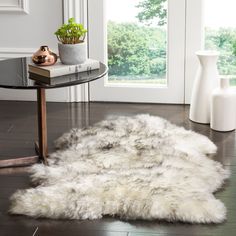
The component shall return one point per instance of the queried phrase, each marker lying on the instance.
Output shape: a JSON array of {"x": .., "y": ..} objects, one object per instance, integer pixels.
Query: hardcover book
[
  {"x": 60, "y": 69},
  {"x": 81, "y": 76}
]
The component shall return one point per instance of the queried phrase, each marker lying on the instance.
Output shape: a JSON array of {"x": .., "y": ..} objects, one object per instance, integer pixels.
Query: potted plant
[{"x": 72, "y": 47}]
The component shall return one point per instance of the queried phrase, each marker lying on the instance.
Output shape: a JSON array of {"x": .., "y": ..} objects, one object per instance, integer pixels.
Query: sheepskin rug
[{"x": 139, "y": 167}]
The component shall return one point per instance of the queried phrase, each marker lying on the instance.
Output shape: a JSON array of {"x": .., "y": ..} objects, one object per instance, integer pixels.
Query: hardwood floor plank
[
  {"x": 148, "y": 234},
  {"x": 17, "y": 134},
  {"x": 74, "y": 232},
  {"x": 17, "y": 230}
]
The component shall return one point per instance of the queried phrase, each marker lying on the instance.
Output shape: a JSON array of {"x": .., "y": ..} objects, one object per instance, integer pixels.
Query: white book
[{"x": 59, "y": 69}]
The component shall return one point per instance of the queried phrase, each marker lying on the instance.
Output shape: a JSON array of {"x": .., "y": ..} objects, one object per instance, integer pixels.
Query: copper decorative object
[{"x": 44, "y": 57}]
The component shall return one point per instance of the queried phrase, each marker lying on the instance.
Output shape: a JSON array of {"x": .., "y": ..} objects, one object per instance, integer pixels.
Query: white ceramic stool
[{"x": 223, "y": 107}]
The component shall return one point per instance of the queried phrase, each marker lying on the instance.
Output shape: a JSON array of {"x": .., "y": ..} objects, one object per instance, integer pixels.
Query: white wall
[
  {"x": 22, "y": 34},
  {"x": 33, "y": 29}
]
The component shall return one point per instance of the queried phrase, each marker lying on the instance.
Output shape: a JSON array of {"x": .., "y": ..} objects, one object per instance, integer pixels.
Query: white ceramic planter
[
  {"x": 207, "y": 78},
  {"x": 72, "y": 54},
  {"x": 223, "y": 107}
]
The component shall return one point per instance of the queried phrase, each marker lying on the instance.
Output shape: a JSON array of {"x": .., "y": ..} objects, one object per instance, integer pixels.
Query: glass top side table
[{"x": 14, "y": 75}]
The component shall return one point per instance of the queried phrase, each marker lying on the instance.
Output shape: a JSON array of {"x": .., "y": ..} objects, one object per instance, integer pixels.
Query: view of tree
[
  {"x": 136, "y": 50},
  {"x": 223, "y": 40},
  {"x": 151, "y": 10}
]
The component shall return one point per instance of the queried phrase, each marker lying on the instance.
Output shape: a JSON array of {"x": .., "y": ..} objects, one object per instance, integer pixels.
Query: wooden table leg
[
  {"x": 40, "y": 146},
  {"x": 42, "y": 125}
]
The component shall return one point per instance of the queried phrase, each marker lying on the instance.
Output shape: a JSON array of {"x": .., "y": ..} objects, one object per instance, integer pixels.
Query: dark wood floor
[{"x": 17, "y": 132}]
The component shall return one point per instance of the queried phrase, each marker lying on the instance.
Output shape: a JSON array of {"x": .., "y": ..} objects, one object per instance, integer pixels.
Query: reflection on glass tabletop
[{"x": 14, "y": 74}]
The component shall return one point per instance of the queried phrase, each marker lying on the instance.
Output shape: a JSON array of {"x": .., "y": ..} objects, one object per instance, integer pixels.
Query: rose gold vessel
[{"x": 44, "y": 57}]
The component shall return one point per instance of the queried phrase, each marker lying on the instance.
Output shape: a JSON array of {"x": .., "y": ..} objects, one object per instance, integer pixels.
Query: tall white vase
[{"x": 207, "y": 78}]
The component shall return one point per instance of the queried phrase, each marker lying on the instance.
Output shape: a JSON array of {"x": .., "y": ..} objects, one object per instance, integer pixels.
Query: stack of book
[{"x": 46, "y": 74}]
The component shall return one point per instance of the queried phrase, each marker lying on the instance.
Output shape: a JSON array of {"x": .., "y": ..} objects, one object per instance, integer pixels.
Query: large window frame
[{"x": 174, "y": 92}]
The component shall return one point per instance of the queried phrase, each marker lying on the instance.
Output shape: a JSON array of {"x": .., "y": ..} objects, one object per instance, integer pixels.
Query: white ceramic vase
[
  {"x": 223, "y": 107},
  {"x": 73, "y": 54},
  {"x": 207, "y": 78}
]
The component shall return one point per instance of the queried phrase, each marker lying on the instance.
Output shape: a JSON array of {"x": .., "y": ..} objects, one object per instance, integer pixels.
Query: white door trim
[
  {"x": 194, "y": 42},
  {"x": 78, "y": 10}
]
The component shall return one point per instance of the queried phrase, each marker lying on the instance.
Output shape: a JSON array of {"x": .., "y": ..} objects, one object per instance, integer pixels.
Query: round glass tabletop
[{"x": 14, "y": 74}]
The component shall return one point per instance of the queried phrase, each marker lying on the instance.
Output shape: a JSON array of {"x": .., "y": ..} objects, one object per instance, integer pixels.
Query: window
[
  {"x": 137, "y": 41},
  {"x": 145, "y": 53}
]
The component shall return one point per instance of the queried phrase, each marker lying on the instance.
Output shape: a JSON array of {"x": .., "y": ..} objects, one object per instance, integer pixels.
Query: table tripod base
[
  {"x": 41, "y": 147},
  {"x": 22, "y": 161}
]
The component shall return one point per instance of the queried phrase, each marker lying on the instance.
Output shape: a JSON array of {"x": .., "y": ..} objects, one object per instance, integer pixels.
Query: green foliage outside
[
  {"x": 138, "y": 52},
  {"x": 152, "y": 10},
  {"x": 224, "y": 41}
]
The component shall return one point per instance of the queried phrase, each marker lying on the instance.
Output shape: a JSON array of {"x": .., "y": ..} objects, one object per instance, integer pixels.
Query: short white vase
[
  {"x": 207, "y": 78},
  {"x": 223, "y": 107}
]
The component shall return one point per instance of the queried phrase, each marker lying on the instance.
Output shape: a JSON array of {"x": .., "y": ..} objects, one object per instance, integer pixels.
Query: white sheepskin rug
[{"x": 140, "y": 167}]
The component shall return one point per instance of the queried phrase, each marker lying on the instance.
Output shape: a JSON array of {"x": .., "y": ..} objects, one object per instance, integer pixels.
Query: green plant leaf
[{"x": 71, "y": 33}]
